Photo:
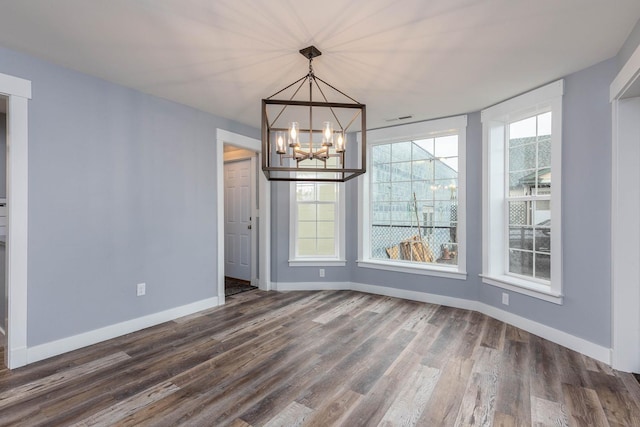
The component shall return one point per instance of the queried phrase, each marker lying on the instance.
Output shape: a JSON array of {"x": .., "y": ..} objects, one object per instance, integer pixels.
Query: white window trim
[
  {"x": 494, "y": 121},
  {"x": 317, "y": 261},
  {"x": 456, "y": 124}
]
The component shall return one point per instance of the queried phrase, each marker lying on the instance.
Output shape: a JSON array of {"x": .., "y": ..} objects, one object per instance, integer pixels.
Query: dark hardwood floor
[{"x": 321, "y": 359}]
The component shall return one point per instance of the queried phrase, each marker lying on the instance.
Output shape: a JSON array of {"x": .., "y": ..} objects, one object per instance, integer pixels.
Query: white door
[{"x": 237, "y": 219}]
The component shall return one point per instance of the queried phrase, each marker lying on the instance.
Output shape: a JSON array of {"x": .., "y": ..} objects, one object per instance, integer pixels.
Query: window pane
[
  {"x": 401, "y": 191},
  {"x": 381, "y": 192},
  {"x": 307, "y": 212},
  {"x": 543, "y": 266},
  {"x": 400, "y": 214},
  {"x": 542, "y": 214},
  {"x": 445, "y": 171},
  {"x": 521, "y": 238},
  {"x": 446, "y": 146},
  {"x": 522, "y": 157},
  {"x": 326, "y": 247},
  {"x": 544, "y": 181},
  {"x": 326, "y": 192},
  {"x": 326, "y": 212},
  {"x": 381, "y": 173},
  {"x": 422, "y": 190},
  {"x": 306, "y": 229},
  {"x": 381, "y": 153},
  {"x": 423, "y": 149},
  {"x": 522, "y": 183},
  {"x": 306, "y": 247},
  {"x": 444, "y": 189},
  {"x": 519, "y": 213},
  {"x": 422, "y": 169},
  {"x": 401, "y": 151},
  {"x": 381, "y": 213},
  {"x": 325, "y": 229},
  {"x": 543, "y": 240},
  {"x": 305, "y": 192},
  {"x": 544, "y": 124},
  {"x": 521, "y": 262},
  {"x": 401, "y": 171},
  {"x": 544, "y": 152},
  {"x": 522, "y": 129}
]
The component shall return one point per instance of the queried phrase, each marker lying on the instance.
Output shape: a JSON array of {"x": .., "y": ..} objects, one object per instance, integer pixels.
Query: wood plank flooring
[{"x": 320, "y": 359}]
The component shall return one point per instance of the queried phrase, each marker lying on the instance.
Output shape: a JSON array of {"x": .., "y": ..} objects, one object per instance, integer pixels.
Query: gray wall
[
  {"x": 122, "y": 190},
  {"x": 586, "y": 221},
  {"x": 629, "y": 46}
]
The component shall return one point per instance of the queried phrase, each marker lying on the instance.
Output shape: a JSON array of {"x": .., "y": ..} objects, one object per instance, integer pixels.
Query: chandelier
[{"x": 312, "y": 138}]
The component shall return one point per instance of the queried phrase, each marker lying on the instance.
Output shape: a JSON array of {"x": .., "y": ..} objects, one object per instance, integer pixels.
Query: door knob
[{"x": 249, "y": 226}]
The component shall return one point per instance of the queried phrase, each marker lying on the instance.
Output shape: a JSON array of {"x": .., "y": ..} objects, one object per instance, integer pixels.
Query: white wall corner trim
[
  {"x": 54, "y": 348},
  {"x": 19, "y": 93},
  {"x": 557, "y": 336},
  {"x": 625, "y": 206}
]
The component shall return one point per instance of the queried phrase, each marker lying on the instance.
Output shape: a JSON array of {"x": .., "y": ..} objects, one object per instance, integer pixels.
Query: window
[
  {"x": 522, "y": 161},
  {"x": 316, "y": 223},
  {"x": 413, "y": 199}
]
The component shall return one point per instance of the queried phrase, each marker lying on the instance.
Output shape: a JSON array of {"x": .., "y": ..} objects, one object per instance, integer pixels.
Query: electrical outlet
[
  {"x": 505, "y": 298},
  {"x": 322, "y": 272},
  {"x": 141, "y": 289}
]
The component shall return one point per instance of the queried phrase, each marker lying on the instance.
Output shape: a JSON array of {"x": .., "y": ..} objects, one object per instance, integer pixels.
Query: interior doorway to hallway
[
  {"x": 240, "y": 205},
  {"x": 261, "y": 220}
]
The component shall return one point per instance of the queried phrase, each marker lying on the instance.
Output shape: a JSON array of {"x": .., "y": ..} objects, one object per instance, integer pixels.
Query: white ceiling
[{"x": 400, "y": 57}]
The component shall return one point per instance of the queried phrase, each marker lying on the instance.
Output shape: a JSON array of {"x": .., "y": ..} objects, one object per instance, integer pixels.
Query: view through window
[
  {"x": 529, "y": 196},
  {"x": 414, "y": 200}
]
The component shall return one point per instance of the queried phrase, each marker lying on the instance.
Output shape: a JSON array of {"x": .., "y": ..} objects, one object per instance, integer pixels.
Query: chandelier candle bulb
[
  {"x": 281, "y": 147},
  {"x": 340, "y": 143},
  {"x": 327, "y": 134},
  {"x": 294, "y": 134}
]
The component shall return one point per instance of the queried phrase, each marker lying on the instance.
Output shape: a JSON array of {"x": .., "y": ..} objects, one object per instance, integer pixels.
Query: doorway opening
[
  {"x": 260, "y": 220},
  {"x": 240, "y": 206}
]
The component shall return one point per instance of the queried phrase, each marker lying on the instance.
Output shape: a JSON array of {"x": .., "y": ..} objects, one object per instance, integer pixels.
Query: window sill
[
  {"x": 524, "y": 287},
  {"x": 317, "y": 262},
  {"x": 431, "y": 270}
]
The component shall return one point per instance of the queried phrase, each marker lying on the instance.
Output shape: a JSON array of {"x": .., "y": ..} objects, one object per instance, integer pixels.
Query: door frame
[
  {"x": 253, "y": 214},
  {"x": 18, "y": 92},
  {"x": 625, "y": 211},
  {"x": 263, "y": 215}
]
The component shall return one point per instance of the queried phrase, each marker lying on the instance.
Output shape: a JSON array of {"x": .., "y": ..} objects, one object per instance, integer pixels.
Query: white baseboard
[
  {"x": 557, "y": 336},
  {"x": 311, "y": 286},
  {"x": 54, "y": 348},
  {"x": 415, "y": 296}
]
